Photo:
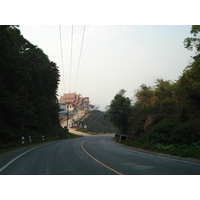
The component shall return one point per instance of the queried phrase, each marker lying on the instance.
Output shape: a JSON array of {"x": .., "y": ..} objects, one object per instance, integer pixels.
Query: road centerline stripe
[{"x": 98, "y": 160}]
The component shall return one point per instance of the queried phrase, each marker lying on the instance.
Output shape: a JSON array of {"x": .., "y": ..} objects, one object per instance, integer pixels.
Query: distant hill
[{"x": 97, "y": 123}]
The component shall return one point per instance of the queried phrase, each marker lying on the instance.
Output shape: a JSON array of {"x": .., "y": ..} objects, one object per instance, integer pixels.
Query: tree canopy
[
  {"x": 168, "y": 112},
  {"x": 29, "y": 82},
  {"x": 119, "y": 110},
  {"x": 192, "y": 42}
]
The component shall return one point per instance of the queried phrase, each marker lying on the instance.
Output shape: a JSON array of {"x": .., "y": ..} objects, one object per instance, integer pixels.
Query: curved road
[{"x": 91, "y": 155}]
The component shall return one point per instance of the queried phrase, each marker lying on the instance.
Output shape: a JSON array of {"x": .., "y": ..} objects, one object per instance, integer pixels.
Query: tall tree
[
  {"x": 28, "y": 87},
  {"x": 119, "y": 111},
  {"x": 144, "y": 95},
  {"x": 192, "y": 42}
]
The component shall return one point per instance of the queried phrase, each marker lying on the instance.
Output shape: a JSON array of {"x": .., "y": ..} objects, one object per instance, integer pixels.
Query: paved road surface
[{"x": 91, "y": 155}]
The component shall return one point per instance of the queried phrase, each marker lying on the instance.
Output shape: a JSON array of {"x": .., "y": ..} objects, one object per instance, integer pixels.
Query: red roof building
[{"x": 73, "y": 100}]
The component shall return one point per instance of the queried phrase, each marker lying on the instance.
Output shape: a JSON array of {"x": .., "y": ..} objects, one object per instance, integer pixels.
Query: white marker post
[
  {"x": 23, "y": 140},
  {"x": 85, "y": 127},
  {"x": 30, "y": 140}
]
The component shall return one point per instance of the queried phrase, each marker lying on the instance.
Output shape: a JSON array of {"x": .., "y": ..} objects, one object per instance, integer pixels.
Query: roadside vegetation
[
  {"x": 36, "y": 139},
  {"x": 97, "y": 123},
  {"x": 28, "y": 91},
  {"x": 164, "y": 117}
]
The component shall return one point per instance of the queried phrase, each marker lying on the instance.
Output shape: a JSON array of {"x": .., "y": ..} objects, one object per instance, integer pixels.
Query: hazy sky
[{"x": 113, "y": 57}]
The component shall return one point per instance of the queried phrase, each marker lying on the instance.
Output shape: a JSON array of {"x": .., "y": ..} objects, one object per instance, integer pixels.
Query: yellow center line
[{"x": 98, "y": 160}]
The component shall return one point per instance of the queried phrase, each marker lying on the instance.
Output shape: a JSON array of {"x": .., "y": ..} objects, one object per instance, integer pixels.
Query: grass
[{"x": 186, "y": 151}]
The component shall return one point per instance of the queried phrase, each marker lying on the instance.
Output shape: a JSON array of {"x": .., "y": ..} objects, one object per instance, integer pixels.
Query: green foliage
[
  {"x": 173, "y": 107},
  {"x": 165, "y": 117},
  {"x": 119, "y": 111},
  {"x": 29, "y": 81},
  {"x": 192, "y": 151},
  {"x": 144, "y": 95},
  {"x": 189, "y": 83},
  {"x": 186, "y": 133},
  {"x": 192, "y": 42},
  {"x": 161, "y": 132}
]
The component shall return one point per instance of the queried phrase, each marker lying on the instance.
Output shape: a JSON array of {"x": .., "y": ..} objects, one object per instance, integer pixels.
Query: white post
[
  {"x": 23, "y": 140},
  {"x": 30, "y": 140}
]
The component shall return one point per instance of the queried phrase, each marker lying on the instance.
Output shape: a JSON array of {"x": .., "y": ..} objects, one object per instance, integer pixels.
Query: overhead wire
[
  {"x": 62, "y": 56},
  {"x": 79, "y": 57},
  {"x": 61, "y": 47},
  {"x": 71, "y": 60}
]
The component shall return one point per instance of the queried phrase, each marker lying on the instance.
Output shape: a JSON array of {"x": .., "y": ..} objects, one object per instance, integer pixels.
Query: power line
[
  {"x": 62, "y": 56},
  {"x": 71, "y": 60},
  {"x": 79, "y": 58}
]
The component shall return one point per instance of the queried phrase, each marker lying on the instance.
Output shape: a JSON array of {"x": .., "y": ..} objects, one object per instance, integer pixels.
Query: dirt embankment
[{"x": 79, "y": 116}]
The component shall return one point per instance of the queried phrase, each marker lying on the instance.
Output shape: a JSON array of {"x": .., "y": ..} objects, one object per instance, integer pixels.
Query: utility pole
[{"x": 67, "y": 113}]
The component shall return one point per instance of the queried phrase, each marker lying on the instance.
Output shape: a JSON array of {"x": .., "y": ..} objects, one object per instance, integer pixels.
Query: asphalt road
[{"x": 91, "y": 155}]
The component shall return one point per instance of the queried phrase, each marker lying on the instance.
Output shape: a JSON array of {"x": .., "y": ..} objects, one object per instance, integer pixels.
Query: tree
[
  {"x": 191, "y": 75},
  {"x": 119, "y": 111},
  {"x": 192, "y": 42},
  {"x": 28, "y": 92},
  {"x": 144, "y": 95}
]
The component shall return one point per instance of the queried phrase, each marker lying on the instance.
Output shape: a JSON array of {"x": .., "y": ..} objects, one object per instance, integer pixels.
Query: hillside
[
  {"x": 97, "y": 123},
  {"x": 28, "y": 92}
]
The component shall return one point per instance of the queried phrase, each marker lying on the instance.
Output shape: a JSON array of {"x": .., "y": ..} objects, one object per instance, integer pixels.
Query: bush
[
  {"x": 161, "y": 132},
  {"x": 186, "y": 133},
  {"x": 192, "y": 151}
]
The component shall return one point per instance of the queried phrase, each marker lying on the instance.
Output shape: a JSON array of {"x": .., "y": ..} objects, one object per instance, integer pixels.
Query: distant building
[
  {"x": 86, "y": 102},
  {"x": 71, "y": 101}
]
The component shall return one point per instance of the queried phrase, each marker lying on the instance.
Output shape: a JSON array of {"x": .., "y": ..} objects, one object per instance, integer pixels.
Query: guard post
[{"x": 23, "y": 140}]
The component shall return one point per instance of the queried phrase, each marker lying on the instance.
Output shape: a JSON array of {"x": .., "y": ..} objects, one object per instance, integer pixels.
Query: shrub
[
  {"x": 186, "y": 133},
  {"x": 161, "y": 132}
]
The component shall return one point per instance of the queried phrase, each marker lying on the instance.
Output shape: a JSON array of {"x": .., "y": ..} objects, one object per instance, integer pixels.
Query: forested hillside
[
  {"x": 97, "y": 123},
  {"x": 28, "y": 87},
  {"x": 167, "y": 115}
]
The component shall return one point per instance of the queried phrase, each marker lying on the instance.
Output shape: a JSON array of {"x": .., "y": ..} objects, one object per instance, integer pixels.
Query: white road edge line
[
  {"x": 158, "y": 156},
  {"x": 1, "y": 169}
]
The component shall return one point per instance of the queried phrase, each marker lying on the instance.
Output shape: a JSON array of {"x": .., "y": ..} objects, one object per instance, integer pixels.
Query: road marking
[
  {"x": 1, "y": 169},
  {"x": 153, "y": 154},
  {"x": 98, "y": 160}
]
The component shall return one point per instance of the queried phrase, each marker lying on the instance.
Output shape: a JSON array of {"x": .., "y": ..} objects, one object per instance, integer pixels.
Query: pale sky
[{"x": 113, "y": 57}]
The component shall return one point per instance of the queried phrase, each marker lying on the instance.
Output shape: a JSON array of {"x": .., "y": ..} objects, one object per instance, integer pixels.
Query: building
[
  {"x": 73, "y": 101},
  {"x": 86, "y": 102}
]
